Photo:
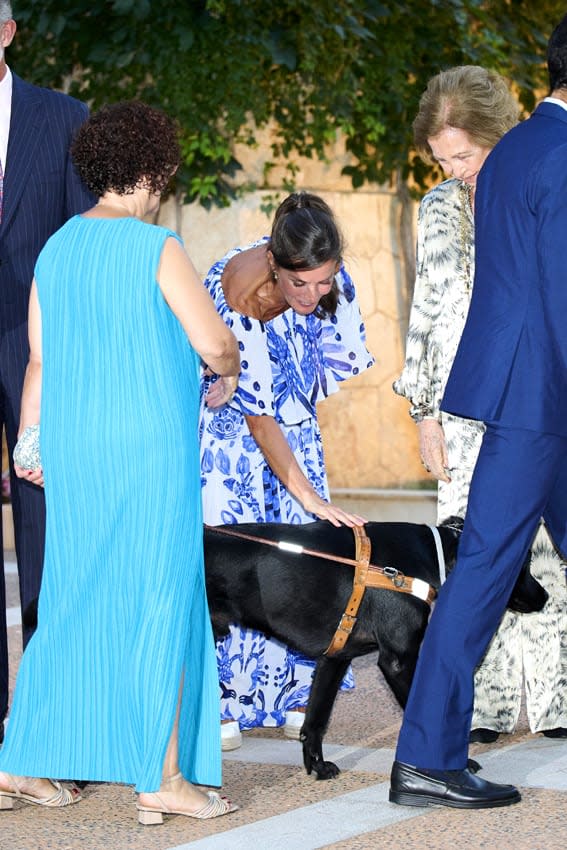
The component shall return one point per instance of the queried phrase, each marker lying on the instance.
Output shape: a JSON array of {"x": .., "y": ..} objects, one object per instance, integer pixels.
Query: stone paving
[{"x": 282, "y": 807}]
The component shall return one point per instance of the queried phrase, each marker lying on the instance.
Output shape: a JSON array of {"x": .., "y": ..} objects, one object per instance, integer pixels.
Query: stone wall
[{"x": 369, "y": 439}]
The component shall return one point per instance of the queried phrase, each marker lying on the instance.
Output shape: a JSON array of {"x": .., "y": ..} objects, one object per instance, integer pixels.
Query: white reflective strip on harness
[
  {"x": 440, "y": 553},
  {"x": 290, "y": 547},
  {"x": 420, "y": 589}
]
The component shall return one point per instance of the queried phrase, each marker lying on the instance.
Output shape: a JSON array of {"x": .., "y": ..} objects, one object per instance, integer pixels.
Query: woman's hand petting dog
[{"x": 314, "y": 504}]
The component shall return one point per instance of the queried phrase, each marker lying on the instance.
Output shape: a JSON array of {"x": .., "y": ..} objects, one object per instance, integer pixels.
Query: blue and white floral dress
[{"x": 288, "y": 365}]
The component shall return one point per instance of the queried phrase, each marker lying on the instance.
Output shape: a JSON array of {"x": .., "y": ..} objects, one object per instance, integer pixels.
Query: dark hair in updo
[
  {"x": 304, "y": 236},
  {"x": 126, "y": 144}
]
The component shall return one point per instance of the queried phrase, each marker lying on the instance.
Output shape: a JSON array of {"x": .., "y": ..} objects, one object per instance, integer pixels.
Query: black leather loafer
[
  {"x": 559, "y": 732},
  {"x": 461, "y": 789}
]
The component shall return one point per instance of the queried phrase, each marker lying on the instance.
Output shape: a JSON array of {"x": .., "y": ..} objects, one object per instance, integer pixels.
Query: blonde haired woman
[{"x": 462, "y": 115}]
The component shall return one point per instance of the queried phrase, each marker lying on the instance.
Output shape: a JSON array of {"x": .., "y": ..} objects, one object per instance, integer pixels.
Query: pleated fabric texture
[{"x": 122, "y": 612}]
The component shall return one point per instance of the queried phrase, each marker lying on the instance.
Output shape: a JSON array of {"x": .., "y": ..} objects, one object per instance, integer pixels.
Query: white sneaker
[
  {"x": 231, "y": 736},
  {"x": 293, "y": 722}
]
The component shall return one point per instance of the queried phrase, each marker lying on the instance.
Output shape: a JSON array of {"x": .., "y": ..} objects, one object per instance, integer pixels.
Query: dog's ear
[{"x": 454, "y": 522}]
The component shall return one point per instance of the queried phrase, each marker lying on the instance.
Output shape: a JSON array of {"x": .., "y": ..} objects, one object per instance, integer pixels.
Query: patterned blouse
[
  {"x": 288, "y": 365},
  {"x": 443, "y": 286}
]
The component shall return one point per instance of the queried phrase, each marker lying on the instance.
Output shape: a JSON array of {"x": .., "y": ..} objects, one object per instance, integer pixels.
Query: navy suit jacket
[
  {"x": 511, "y": 365},
  {"x": 41, "y": 188}
]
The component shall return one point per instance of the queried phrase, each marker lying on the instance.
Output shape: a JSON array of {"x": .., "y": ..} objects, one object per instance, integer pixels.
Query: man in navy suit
[
  {"x": 510, "y": 371},
  {"x": 39, "y": 192}
]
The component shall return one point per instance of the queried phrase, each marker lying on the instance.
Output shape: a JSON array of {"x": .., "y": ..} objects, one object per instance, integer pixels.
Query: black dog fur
[{"x": 299, "y": 599}]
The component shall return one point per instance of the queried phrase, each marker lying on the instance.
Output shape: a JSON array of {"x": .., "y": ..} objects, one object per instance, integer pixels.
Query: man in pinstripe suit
[{"x": 40, "y": 191}]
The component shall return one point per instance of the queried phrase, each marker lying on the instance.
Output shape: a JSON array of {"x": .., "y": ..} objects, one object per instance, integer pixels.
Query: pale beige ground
[{"x": 367, "y": 717}]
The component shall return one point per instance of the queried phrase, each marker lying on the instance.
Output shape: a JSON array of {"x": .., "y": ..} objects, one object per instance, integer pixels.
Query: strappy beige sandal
[
  {"x": 217, "y": 806},
  {"x": 60, "y": 797}
]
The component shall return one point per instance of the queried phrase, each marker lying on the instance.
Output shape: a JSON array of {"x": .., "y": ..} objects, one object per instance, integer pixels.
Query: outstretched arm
[{"x": 274, "y": 446}]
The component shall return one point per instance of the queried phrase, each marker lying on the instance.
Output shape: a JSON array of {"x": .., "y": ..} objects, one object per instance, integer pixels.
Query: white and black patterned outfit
[{"x": 529, "y": 646}]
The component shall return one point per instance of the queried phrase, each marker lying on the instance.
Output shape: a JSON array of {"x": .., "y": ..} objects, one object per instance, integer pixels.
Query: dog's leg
[
  {"x": 528, "y": 594},
  {"x": 329, "y": 674},
  {"x": 398, "y": 668}
]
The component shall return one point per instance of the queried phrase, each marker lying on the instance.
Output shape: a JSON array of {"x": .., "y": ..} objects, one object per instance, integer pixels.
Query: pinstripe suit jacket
[{"x": 41, "y": 188}]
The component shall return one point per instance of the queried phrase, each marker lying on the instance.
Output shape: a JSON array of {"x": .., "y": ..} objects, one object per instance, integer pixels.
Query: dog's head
[
  {"x": 450, "y": 532},
  {"x": 454, "y": 523},
  {"x": 528, "y": 594}
]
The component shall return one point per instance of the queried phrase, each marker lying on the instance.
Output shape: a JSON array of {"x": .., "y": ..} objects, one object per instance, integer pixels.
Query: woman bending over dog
[{"x": 292, "y": 306}]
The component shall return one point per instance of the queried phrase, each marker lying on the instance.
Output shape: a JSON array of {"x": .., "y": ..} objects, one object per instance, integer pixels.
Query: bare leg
[{"x": 175, "y": 792}]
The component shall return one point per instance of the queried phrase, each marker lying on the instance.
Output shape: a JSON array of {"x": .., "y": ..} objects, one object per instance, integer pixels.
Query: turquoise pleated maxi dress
[{"x": 122, "y": 612}]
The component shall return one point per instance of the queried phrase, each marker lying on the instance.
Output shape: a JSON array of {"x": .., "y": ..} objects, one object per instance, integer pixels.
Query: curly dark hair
[
  {"x": 125, "y": 144},
  {"x": 304, "y": 236}
]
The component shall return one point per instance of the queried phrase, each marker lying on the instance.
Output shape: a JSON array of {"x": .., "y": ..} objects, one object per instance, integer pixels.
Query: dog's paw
[
  {"x": 327, "y": 770},
  {"x": 322, "y": 769}
]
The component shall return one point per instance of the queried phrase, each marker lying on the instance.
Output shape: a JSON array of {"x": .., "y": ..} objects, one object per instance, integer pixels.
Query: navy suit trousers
[{"x": 520, "y": 476}]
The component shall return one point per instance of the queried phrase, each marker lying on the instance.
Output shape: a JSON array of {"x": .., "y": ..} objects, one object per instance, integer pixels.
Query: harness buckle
[
  {"x": 347, "y": 623},
  {"x": 396, "y": 577}
]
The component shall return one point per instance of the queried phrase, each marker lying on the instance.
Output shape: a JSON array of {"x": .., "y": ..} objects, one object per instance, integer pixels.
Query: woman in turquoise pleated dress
[{"x": 119, "y": 682}]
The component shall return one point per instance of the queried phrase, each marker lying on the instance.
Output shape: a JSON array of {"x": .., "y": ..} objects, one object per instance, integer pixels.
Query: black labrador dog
[{"x": 299, "y": 599}]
